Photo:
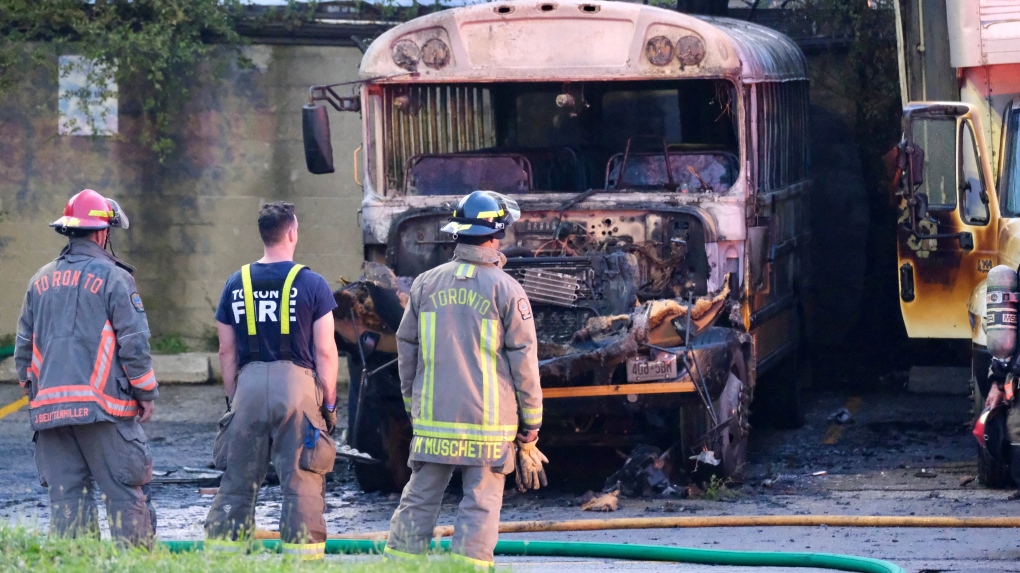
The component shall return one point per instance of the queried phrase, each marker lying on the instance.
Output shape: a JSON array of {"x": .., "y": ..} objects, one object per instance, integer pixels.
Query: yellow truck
[{"x": 959, "y": 208}]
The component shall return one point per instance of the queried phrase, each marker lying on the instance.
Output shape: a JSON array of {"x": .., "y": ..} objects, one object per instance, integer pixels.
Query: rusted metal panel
[{"x": 522, "y": 41}]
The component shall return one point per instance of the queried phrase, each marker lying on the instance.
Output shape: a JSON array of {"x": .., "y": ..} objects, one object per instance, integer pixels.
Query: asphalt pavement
[{"x": 902, "y": 454}]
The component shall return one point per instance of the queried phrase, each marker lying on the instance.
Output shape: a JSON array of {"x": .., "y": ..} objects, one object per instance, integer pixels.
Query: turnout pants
[
  {"x": 476, "y": 528},
  {"x": 1013, "y": 427},
  {"x": 114, "y": 455},
  {"x": 274, "y": 416}
]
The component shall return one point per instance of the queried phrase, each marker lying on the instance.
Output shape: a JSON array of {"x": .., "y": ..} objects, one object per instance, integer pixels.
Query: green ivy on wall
[{"x": 151, "y": 49}]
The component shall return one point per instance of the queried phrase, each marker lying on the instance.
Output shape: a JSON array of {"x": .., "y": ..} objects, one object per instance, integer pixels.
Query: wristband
[{"x": 329, "y": 407}]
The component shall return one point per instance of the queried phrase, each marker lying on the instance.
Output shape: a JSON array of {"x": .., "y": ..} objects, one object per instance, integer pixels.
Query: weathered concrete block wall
[{"x": 193, "y": 217}]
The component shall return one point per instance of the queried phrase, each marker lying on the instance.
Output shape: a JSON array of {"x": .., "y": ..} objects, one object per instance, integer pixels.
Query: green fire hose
[{"x": 619, "y": 551}]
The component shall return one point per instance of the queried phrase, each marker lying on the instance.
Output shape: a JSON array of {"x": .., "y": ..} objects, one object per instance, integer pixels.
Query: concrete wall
[{"x": 193, "y": 218}]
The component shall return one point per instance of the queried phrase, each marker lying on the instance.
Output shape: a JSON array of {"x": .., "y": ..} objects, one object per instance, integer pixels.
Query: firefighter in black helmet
[{"x": 468, "y": 362}]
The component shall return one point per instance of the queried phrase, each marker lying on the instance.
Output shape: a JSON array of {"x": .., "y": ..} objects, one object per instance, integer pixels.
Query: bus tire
[
  {"x": 384, "y": 432},
  {"x": 730, "y": 442}
]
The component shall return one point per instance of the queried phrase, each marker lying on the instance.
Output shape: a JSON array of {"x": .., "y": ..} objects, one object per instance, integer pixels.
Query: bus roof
[{"x": 572, "y": 40}]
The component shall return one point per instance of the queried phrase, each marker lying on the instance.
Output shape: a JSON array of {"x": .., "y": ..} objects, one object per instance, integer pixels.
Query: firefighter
[
  {"x": 279, "y": 361},
  {"x": 469, "y": 377},
  {"x": 82, "y": 356},
  {"x": 998, "y": 428}
]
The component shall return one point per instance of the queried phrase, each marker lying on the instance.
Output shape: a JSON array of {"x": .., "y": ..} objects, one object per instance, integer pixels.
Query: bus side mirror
[{"x": 318, "y": 147}]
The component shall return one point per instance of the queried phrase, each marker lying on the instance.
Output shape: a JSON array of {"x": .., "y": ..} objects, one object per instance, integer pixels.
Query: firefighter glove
[
  {"x": 530, "y": 471},
  {"x": 329, "y": 415}
]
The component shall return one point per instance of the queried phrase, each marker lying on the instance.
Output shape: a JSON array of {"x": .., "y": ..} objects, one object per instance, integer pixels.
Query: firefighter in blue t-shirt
[{"x": 279, "y": 360}]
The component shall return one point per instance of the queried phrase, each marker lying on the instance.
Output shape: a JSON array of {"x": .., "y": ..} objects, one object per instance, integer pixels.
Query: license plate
[{"x": 662, "y": 367}]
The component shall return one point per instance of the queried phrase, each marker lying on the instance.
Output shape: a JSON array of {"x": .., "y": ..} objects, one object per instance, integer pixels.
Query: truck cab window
[
  {"x": 1010, "y": 190},
  {"x": 938, "y": 139},
  {"x": 973, "y": 199}
]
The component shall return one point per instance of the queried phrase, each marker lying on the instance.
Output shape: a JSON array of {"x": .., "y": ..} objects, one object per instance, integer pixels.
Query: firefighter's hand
[
  {"x": 529, "y": 436},
  {"x": 25, "y": 389},
  {"x": 530, "y": 471},
  {"x": 148, "y": 408},
  {"x": 330, "y": 417},
  {"x": 995, "y": 395}
]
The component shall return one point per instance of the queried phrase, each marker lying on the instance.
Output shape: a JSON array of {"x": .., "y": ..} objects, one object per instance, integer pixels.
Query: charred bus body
[{"x": 660, "y": 161}]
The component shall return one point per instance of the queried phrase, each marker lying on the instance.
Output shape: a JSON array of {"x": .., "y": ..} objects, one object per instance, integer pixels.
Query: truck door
[{"x": 946, "y": 229}]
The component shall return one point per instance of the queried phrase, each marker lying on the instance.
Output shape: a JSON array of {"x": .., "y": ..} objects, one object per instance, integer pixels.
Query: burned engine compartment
[{"x": 577, "y": 266}]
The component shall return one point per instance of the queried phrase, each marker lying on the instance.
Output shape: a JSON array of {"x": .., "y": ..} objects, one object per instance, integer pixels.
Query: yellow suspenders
[{"x": 249, "y": 312}]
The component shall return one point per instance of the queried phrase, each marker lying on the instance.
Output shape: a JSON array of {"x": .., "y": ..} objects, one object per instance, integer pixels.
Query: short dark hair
[
  {"x": 275, "y": 220},
  {"x": 480, "y": 239}
]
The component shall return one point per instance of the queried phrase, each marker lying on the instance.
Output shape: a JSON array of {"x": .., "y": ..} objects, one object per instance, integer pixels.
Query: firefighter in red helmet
[{"x": 82, "y": 356}]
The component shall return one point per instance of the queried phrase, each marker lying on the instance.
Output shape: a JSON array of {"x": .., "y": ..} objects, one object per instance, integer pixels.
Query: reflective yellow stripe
[
  {"x": 490, "y": 382},
  {"x": 489, "y": 214},
  {"x": 467, "y": 436},
  {"x": 532, "y": 416},
  {"x": 249, "y": 299},
  {"x": 475, "y": 562},
  {"x": 305, "y": 551},
  {"x": 464, "y": 431},
  {"x": 427, "y": 338},
  {"x": 470, "y": 271},
  {"x": 98, "y": 213},
  {"x": 285, "y": 302},
  {"x": 402, "y": 555}
]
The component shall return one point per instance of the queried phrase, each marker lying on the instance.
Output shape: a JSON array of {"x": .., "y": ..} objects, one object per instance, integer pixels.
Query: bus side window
[{"x": 973, "y": 197}]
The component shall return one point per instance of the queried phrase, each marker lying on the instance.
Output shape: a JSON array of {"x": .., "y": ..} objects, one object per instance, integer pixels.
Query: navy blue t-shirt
[{"x": 310, "y": 300}]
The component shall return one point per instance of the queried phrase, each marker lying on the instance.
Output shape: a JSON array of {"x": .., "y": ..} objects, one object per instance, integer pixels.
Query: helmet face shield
[
  {"x": 120, "y": 218},
  {"x": 513, "y": 210}
]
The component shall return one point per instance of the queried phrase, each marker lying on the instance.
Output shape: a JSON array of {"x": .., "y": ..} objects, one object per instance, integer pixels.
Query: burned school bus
[{"x": 660, "y": 162}]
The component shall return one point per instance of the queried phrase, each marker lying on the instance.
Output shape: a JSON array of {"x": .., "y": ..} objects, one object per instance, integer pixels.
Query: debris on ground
[
  {"x": 925, "y": 474},
  {"x": 188, "y": 476},
  {"x": 841, "y": 416},
  {"x": 603, "y": 502},
  {"x": 208, "y": 490},
  {"x": 820, "y": 474},
  {"x": 345, "y": 451},
  {"x": 706, "y": 457},
  {"x": 966, "y": 480},
  {"x": 645, "y": 472}
]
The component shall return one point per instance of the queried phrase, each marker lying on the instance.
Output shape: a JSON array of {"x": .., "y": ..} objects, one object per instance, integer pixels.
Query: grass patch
[
  {"x": 6, "y": 340},
  {"x": 168, "y": 344},
  {"x": 22, "y": 549}
]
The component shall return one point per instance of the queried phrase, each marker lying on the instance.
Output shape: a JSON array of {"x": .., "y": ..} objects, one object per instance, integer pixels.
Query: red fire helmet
[
  {"x": 991, "y": 433},
  {"x": 90, "y": 211}
]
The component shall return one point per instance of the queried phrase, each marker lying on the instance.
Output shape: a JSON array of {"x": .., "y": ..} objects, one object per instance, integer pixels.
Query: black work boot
[{"x": 1014, "y": 463}]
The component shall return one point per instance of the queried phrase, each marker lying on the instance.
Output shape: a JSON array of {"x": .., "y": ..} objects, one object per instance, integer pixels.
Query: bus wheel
[
  {"x": 729, "y": 443},
  {"x": 384, "y": 432}
]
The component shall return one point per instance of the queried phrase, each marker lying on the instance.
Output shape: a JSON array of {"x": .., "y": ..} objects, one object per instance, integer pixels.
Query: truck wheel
[
  {"x": 384, "y": 432},
  {"x": 730, "y": 442},
  {"x": 992, "y": 473}
]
